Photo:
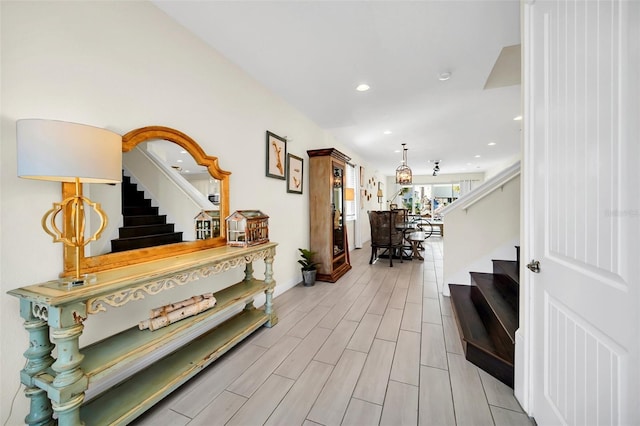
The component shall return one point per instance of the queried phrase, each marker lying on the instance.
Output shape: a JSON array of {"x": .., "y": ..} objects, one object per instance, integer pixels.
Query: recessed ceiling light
[
  {"x": 362, "y": 87},
  {"x": 491, "y": 143},
  {"x": 517, "y": 118},
  {"x": 179, "y": 161},
  {"x": 444, "y": 76},
  {"x": 477, "y": 156},
  {"x": 183, "y": 152},
  {"x": 387, "y": 132}
]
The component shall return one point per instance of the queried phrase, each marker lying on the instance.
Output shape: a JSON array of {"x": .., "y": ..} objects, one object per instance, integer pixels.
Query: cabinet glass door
[{"x": 337, "y": 208}]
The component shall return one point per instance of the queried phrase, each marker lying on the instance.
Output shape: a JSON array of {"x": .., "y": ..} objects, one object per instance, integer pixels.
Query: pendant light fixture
[{"x": 403, "y": 172}]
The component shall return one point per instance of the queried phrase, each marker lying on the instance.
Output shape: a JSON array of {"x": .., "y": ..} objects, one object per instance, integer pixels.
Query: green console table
[{"x": 58, "y": 385}]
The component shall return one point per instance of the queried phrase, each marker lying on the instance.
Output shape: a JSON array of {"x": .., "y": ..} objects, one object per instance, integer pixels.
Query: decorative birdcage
[
  {"x": 207, "y": 224},
  {"x": 247, "y": 228}
]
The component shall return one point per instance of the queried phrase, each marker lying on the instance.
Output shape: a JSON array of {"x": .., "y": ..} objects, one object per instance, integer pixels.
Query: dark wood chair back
[{"x": 385, "y": 233}]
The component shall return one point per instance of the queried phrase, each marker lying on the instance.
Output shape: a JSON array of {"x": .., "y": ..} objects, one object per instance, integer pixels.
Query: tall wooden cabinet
[{"x": 327, "y": 213}]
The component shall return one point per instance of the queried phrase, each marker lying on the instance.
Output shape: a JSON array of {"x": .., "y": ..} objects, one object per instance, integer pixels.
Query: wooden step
[
  {"x": 136, "y": 202},
  {"x": 144, "y": 230},
  {"x": 139, "y": 211},
  {"x": 131, "y": 189},
  {"x": 499, "y": 299},
  {"x": 477, "y": 342},
  {"x": 132, "y": 192},
  {"x": 145, "y": 220},
  {"x": 508, "y": 268},
  {"x": 123, "y": 244}
]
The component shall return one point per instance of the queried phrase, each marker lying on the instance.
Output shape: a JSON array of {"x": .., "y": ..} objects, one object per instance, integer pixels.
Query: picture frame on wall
[
  {"x": 361, "y": 176},
  {"x": 295, "y": 173},
  {"x": 276, "y": 155}
]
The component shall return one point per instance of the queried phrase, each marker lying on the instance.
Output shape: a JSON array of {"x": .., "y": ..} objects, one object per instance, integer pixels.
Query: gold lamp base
[{"x": 74, "y": 207}]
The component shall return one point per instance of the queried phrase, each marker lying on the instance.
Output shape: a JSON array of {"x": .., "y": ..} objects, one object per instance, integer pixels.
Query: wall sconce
[{"x": 69, "y": 152}]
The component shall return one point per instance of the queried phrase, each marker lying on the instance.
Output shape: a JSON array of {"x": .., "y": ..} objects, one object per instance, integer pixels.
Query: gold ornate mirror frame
[{"x": 114, "y": 260}]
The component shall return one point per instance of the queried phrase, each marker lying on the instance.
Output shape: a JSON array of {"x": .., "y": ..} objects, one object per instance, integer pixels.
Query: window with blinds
[{"x": 350, "y": 192}]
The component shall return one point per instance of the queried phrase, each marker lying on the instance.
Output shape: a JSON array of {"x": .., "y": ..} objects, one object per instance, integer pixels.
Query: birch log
[
  {"x": 178, "y": 314},
  {"x": 164, "y": 310}
]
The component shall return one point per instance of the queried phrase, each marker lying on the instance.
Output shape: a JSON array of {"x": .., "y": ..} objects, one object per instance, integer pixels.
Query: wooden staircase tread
[
  {"x": 140, "y": 203},
  {"x": 147, "y": 225},
  {"x": 130, "y": 243},
  {"x": 140, "y": 210},
  {"x": 470, "y": 324},
  {"x": 509, "y": 268},
  {"x": 146, "y": 230},
  {"x": 148, "y": 236},
  {"x": 486, "y": 314},
  {"x": 499, "y": 297},
  {"x": 142, "y": 219}
]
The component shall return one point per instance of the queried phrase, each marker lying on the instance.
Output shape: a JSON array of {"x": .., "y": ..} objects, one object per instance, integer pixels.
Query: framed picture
[
  {"x": 294, "y": 174},
  {"x": 361, "y": 176},
  {"x": 276, "y": 155}
]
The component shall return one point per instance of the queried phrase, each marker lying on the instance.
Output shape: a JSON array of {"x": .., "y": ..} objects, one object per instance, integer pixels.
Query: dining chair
[{"x": 385, "y": 234}]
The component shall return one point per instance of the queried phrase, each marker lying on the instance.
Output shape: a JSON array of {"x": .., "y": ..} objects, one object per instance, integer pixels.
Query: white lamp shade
[{"x": 63, "y": 151}]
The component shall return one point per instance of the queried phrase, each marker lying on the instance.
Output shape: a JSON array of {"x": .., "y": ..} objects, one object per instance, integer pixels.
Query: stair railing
[{"x": 487, "y": 187}]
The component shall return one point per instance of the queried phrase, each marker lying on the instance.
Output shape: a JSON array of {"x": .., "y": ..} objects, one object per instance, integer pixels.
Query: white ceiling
[{"x": 314, "y": 53}]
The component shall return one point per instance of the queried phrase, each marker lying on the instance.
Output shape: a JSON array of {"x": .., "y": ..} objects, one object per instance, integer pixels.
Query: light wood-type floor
[{"x": 378, "y": 347}]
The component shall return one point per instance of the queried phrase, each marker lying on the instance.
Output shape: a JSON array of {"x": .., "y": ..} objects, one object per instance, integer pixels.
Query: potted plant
[{"x": 308, "y": 267}]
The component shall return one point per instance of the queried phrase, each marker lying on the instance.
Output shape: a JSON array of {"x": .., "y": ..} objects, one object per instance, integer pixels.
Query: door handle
[{"x": 534, "y": 266}]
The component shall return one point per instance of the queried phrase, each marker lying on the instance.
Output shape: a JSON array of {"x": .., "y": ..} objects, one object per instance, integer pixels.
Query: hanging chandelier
[{"x": 403, "y": 172}]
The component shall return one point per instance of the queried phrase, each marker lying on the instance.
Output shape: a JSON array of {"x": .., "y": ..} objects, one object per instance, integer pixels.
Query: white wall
[
  {"x": 489, "y": 229},
  {"x": 501, "y": 166},
  {"x": 368, "y": 201},
  {"x": 123, "y": 65}
]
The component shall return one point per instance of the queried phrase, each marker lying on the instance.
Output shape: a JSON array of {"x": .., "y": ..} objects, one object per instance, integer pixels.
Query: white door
[{"x": 582, "y": 157}]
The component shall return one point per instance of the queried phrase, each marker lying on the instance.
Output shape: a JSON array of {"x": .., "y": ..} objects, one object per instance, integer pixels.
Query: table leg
[
  {"x": 268, "y": 270},
  {"x": 268, "y": 308},
  {"x": 248, "y": 271},
  {"x": 40, "y": 412},
  {"x": 415, "y": 248},
  {"x": 39, "y": 359},
  {"x": 70, "y": 381},
  {"x": 268, "y": 280},
  {"x": 248, "y": 276}
]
